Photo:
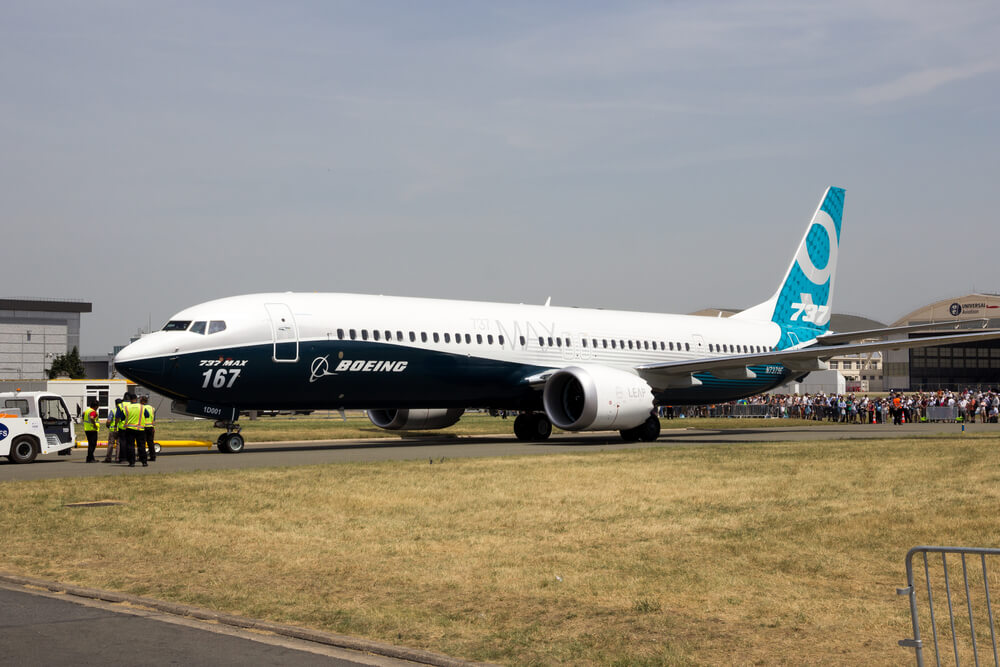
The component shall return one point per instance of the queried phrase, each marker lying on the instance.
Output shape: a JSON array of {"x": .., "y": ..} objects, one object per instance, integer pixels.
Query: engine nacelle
[
  {"x": 596, "y": 398},
  {"x": 412, "y": 420}
]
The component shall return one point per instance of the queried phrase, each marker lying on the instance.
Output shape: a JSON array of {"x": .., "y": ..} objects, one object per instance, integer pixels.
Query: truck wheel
[{"x": 23, "y": 450}]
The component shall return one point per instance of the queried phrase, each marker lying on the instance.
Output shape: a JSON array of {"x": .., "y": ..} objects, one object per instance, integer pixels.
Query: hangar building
[
  {"x": 35, "y": 331},
  {"x": 948, "y": 366}
]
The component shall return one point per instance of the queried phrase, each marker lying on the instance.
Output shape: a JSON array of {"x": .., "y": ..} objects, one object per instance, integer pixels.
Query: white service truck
[{"x": 33, "y": 423}]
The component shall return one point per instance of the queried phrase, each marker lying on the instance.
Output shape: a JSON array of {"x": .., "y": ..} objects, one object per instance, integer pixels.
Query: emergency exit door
[{"x": 283, "y": 332}]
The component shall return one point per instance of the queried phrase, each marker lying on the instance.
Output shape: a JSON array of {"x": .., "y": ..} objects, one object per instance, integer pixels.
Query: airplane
[{"x": 417, "y": 363}]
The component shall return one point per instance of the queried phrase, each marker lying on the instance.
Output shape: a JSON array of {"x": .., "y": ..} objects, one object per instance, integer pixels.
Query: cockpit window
[
  {"x": 177, "y": 325},
  {"x": 198, "y": 328},
  {"x": 216, "y": 326}
]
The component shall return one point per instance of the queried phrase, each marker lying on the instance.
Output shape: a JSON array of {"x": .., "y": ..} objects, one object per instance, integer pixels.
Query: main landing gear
[
  {"x": 230, "y": 442},
  {"x": 532, "y": 427},
  {"x": 648, "y": 431}
]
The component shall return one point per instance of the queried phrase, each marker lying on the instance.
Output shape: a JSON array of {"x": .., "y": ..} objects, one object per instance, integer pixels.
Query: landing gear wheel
[
  {"x": 532, "y": 428},
  {"x": 156, "y": 448},
  {"x": 23, "y": 450},
  {"x": 231, "y": 443},
  {"x": 648, "y": 431}
]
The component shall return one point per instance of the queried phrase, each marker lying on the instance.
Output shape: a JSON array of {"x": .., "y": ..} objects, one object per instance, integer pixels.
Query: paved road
[
  {"x": 41, "y": 628},
  {"x": 260, "y": 455}
]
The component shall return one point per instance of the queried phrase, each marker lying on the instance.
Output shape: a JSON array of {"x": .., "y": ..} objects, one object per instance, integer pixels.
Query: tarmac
[{"x": 44, "y": 622}]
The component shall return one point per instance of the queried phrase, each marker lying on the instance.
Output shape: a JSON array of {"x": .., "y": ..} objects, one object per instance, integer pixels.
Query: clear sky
[{"x": 643, "y": 156}]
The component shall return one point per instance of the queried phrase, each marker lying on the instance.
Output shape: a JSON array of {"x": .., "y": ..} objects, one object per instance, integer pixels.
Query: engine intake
[
  {"x": 596, "y": 398},
  {"x": 412, "y": 420}
]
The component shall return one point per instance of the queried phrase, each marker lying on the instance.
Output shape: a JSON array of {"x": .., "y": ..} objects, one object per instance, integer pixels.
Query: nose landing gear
[{"x": 230, "y": 442}]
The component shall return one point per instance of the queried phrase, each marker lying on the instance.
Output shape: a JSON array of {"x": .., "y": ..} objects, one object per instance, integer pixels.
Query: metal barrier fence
[
  {"x": 942, "y": 413},
  {"x": 744, "y": 411},
  {"x": 950, "y": 640}
]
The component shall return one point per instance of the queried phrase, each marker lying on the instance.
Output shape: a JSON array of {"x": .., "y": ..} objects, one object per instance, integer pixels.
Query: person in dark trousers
[
  {"x": 148, "y": 416},
  {"x": 91, "y": 426}
]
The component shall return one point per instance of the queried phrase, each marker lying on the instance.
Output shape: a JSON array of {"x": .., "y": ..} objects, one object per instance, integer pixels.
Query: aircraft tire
[
  {"x": 156, "y": 448},
  {"x": 649, "y": 431},
  {"x": 23, "y": 450},
  {"x": 231, "y": 443},
  {"x": 541, "y": 428},
  {"x": 521, "y": 430}
]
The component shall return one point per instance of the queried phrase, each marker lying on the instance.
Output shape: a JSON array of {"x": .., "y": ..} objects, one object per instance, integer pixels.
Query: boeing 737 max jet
[{"x": 419, "y": 363}]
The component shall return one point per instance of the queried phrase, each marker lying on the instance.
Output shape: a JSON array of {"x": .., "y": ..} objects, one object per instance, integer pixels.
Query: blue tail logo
[{"x": 801, "y": 306}]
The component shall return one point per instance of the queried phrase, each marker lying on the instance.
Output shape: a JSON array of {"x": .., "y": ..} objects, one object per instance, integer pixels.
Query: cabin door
[{"x": 284, "y": 333}]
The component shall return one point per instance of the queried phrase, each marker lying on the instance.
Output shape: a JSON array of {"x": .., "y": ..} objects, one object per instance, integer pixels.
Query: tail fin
[{"x": 801, "y": 306}]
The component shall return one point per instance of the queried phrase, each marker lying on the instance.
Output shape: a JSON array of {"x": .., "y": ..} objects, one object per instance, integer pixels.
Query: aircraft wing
[
  {"x": 813, "y": 358},
  {"x": 848, "y": 336}
]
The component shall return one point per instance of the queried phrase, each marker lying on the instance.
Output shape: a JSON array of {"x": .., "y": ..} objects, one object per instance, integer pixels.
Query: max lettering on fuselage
[{"x": 235, "y": 363}]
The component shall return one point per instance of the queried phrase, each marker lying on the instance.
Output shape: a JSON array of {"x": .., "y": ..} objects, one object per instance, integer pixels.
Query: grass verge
[
  {"x": 357, "y": 426},
  {"x": 756, "y": 553}
]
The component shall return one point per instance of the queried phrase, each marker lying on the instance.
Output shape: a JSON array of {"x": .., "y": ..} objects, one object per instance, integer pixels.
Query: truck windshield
[{"x": 177, "y": 325}]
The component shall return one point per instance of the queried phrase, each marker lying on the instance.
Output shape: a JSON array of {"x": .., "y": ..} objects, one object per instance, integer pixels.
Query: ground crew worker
[
  {"x": 148, "y": 416},
  {"x": 91, "y": 426},
  {"x": 122, "y": 431},
  {"x": 113, "y": 445},
  {"x": 136, "y": 438}
]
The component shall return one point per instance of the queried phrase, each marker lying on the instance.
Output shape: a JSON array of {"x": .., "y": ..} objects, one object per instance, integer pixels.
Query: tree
[{"x": 68, "y": 364}]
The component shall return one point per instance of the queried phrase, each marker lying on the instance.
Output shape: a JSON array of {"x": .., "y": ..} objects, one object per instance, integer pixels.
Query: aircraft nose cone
[
  {"x": 140, "y": 371},
  {"x": 139, "y": 363}
]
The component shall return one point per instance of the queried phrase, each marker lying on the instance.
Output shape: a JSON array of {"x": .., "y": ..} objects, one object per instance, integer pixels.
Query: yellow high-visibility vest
[
  {"x": 148, "y": 415},
  {"x": 133, "y": 414},
  {"x": 90, "y": 420}
]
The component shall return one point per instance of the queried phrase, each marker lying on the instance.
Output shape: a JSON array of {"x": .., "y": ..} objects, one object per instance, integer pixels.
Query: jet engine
[
  {"x": 412, "y": 420},
  {"x": 596, "y": 398}
]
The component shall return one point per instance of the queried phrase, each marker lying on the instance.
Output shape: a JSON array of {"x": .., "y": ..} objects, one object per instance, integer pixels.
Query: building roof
[{"x": 47, "y": 305}]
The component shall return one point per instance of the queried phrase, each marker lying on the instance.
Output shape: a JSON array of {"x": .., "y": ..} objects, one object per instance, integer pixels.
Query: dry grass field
[{"x": 742, "y": 554}]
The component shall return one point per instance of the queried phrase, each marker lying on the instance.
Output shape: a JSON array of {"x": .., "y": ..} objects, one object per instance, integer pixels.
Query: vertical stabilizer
[{"x": 802, "y": 305}]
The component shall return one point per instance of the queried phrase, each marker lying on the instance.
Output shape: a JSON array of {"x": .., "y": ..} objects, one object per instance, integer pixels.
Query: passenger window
[
  {"x": 569, "y": 342},
  {"x": 436, "y": 337},
  {"x": 584, "y": 341},
  {"x": 550, "y": 341},
  {"x": 376, "y": 335},
  {"x": 541, "y": 342},
  {"x": 340, "y": 334},
  {"x": 423, "y": 336},
  {"x": 198, "y": 328},
  {"x": 447, "y": 337},
  {"x": 710, "y": 348},
  {"x": 489, "y": 338},
  {"x": 605, "y": 340},
  {"x": 479, "y": 338},
  {"x": 687, "y": 346},
  {"x": 468, "y": 339},
  {"x": 614, "y": 344},
  {"x": 559, "y": 342},
  {"x": 354, "y": 334},
  {"x": 364, "y": 334},
  {"x": 645, "y": 344},
  {"x": 399, "y": 336},
  {"x": 500, "y": 339},
  {"x": 177, "y": 325},
  {"x": 388, "y": 335},
  {"x": 413, "y": 337}
]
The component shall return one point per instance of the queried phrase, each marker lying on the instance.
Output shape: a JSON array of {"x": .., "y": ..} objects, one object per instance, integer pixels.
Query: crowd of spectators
[{"x": 896, "y": 407}]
